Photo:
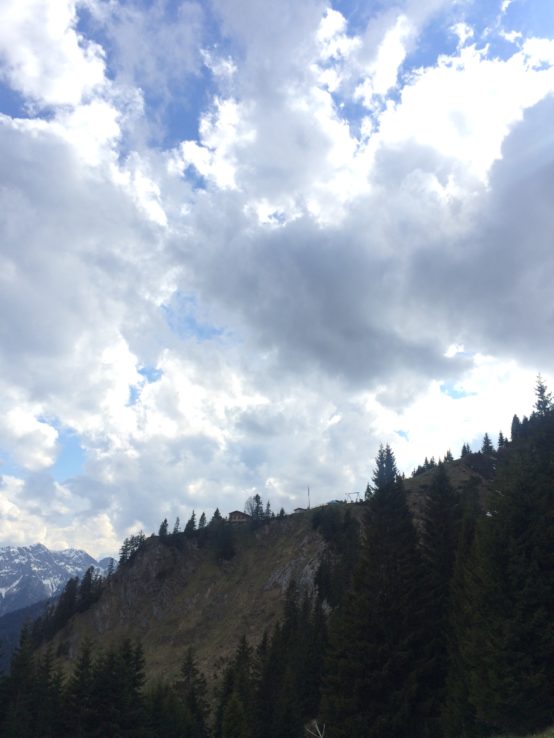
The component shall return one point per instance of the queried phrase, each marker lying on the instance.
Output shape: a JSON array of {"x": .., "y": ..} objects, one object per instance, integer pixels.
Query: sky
[{"x": 242, "y": 243}]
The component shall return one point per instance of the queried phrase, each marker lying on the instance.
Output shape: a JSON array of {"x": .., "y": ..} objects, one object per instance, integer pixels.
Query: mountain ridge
[{"x": 30, "y": 574}]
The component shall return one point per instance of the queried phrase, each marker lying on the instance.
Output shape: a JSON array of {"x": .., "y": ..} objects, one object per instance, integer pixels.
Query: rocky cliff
[{"x": 172, "y": 597}]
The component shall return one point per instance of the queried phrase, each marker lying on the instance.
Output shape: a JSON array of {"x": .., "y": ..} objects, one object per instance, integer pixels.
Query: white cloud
[
  {"x": 465, "y": 106},
  {"x": 328, "y": 259},
  {"x": 42, "y": 54},
  {"x": 382, "y": 74}
]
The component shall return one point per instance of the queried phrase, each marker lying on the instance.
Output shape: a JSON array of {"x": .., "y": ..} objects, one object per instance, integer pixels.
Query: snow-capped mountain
[{"x": 29, "y": 574}]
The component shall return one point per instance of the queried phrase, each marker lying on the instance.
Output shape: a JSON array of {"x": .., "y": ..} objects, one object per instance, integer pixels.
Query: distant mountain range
[{"x": 31, "y": 574}]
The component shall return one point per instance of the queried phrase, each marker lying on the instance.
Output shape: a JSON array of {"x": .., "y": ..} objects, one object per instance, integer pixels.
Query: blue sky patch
[
  {"x": 453, "y": 391},
  {"x": 182, "y": 318},
  {"x": 71, "y": 457},
  {"x": 150, "y": 373},
  {"x": 12, "y": 103}
]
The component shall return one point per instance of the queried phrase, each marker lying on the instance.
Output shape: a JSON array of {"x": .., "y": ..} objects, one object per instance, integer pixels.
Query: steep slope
[
  {"x": 175, "y": 596},
  {"x": 175, "y": 593},
  {"x": 472, "y": 473},
  {"x": 29, "y": 574},
  {"x": 10, "y": 629}
]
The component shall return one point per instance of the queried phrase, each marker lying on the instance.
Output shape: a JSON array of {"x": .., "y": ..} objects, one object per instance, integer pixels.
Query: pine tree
[
  {"x": 516, "y": 428},
  {"x": 510, "y": 646},
  {"x": 439, "y": 531},
  {"x": 501, "y": 440},
  {"x": 234, "y": 714},
  {"x": 377, "y": 639},
  {"x": 543, "y": 403},
  {"x": 162, "y": 532},
  {"x": 465, "y": 450},
  {"x": 216, "y": 517},
  {"x": 177, "y": 526},
  {"x": 385, "y": 472},
  {"x": 78, "y": 713},
  {"x": 487, "y": 447},
  {"x": 192, "y": 689},
  {"x": 458, "y": 714},
  {"x": 19, "y": 689},
  {"x": 202, "y": 521},
  {"x": 190, "y": 527}
]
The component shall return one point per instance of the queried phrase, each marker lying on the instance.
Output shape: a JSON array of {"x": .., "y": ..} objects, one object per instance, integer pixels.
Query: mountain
[
  {"x": 30, "y": 574},
  {"x": 176, "y": 592},
  {"x": 342, "y": 617}
]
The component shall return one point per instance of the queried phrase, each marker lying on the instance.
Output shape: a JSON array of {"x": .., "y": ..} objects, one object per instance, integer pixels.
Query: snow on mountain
[{"x": 29, "y": 574}]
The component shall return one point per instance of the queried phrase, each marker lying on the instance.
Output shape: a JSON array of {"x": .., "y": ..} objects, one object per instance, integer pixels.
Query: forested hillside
[{"x": 426, "y": 610}]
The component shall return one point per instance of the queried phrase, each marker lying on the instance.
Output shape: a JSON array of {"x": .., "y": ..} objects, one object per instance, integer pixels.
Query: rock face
[
  {"x": 29, "y": 574},
  {"x": 171, "y": 597}
]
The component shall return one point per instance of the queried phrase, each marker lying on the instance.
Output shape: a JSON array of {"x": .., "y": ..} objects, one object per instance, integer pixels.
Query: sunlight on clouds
[
  {"x": 465, "y": 106},
  {"x": 219, "y": 66},
  {"x": 436, "y": 422},
  {"x": 383, "y": 72},
  {"x": 61, "y": 525},
  {"x": 32, "y": 443},
  {"x": 333, "y": 38},
  {"x": 93, "y": 131},
  {"x": 329, "y": 215},
  {"x": 221, "y": 131},
  {"x": 44, "y": 57}
]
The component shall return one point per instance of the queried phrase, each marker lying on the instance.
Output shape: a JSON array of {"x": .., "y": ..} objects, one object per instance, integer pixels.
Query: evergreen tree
[
  {"x": 66, "y": 606},
  {"x": 385, "y": 473},
  {"x": 78, "y": 715},
  {"x": 202, "y": 521},
  {"x": 177, "y": 526},
  {"x": 124, "y": 551},
  {"x": 465, "y": 450},
  {"x": 501, "y": 440},
  {"x": 543, "y": 403},
  {"x": 439, "y": 530},
  {"x": 165, "y": 714},
  {"x": 487, "y": 447},
  {"x": 458, "y": 714},
  {"x": 162, "y": 532},
  {"x": 234, "y": 714},
  {"x": 18, "y": 718},
  {"x": 448, "y": 456},
  {"x": 372, "y": 686},
  {"x": 191, "y": 688},
  {"x": 47, "y": 698},
  {"x": 190, "y": 527},
  {"x": 516, "y": 428},
  {"x": 510, "y": 646},
  {"x": 216, "y": 517},
  {"x": 90, "y": 589}
]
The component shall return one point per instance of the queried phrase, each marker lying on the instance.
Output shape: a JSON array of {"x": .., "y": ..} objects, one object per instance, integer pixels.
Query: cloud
[
  {"x": 154, "y": 46},
  {"x": 255, "y": 306},
  {"x": 44, "y": 57}
]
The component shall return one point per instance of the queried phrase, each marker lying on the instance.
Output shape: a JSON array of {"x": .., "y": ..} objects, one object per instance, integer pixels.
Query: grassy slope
[{"x": 171, "y": 599}]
